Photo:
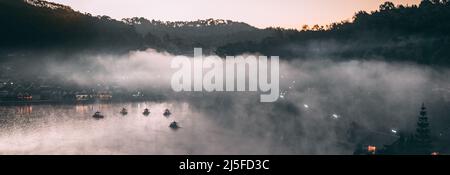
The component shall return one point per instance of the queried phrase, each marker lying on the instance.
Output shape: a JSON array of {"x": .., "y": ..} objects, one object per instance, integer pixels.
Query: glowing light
[
  {"x": 306, "y": 106},
  {"x": 394, "y": 131},
  {"x": 283, "y": 94},
  {"x": 435, "y": 153},
  {"x": 371, "y": 149}
]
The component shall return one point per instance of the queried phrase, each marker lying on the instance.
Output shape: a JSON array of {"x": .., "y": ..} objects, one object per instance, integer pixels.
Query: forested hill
[
  {"x": 185, "y": 35},
  {"x": 35, "y": 25},
  {"x": 41, "y": 26},
  {"x": 418, "y": 34}
]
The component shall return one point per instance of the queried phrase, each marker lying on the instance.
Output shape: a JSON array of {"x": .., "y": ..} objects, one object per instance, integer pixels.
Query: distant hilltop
[
  {"x": 197, "y": 23},
  {"x": 51, "y": 5},
  {"x": 59, "y": 28},
  {"x": 417, "y": 33}
]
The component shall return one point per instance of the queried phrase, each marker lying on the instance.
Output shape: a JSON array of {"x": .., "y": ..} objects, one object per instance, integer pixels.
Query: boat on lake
[
  {"x": 98, "y": 115},
  {"x": 174, "y": 125},
  {"x": 124, "y": 111},
  {"x": 146, "y": 112},
  {"x": 167, "y": 113}
]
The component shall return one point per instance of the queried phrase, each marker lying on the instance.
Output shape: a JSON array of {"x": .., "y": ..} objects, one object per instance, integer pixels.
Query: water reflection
[
  {"x": 21, "y": 110},
  {"x": 70, "y": 129},
  {"x": 82, "y": 108}
]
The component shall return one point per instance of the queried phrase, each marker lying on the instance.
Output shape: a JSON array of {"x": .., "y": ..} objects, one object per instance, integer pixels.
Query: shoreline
[{"x": 69, "y": 102}]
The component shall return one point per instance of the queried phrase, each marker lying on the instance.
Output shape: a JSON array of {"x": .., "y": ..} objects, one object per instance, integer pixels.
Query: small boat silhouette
[
  {"x": 174, "y": 125},
  {"x": 124, "y": 111},
  {"x": 167, "y": 113},
  {"x": 146, "y": 112},
  {"x": 98, "y": 115}
]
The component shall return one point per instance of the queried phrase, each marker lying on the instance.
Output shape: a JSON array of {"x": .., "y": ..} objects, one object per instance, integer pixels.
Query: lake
[{"x": 71, "y": 129}]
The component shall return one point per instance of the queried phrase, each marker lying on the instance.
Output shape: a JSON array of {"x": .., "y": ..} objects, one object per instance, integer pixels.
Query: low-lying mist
[{"x": 325, "y": 106}]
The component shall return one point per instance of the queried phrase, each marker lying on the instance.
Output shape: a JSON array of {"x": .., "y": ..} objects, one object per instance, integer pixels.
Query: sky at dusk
[{"x": 259, "y": 13}]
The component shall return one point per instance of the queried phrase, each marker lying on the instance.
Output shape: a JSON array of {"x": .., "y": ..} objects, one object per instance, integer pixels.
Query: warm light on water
[{"x": 70, "y": 129}]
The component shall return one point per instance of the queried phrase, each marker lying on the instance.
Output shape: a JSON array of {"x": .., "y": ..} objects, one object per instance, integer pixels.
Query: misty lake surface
[
  {"x": 325, "y": 107},
  {"x": 71, "y": 129}
]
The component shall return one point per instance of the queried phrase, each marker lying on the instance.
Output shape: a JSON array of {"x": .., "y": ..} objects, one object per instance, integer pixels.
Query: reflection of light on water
[
  {"x": 104, "y": 107},
  {"x": 24, "y": 110},
  {"x": 82, "y": 108},
  {"x": 58, "y": 129},
  {"x": 62, "y": 129}
]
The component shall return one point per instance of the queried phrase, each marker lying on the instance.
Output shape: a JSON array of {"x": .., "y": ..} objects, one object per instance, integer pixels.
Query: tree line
[{"x": 417, "y": 33}]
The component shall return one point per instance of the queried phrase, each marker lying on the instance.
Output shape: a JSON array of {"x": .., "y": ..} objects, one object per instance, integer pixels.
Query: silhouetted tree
[
  {"x": 426, "y": 4},
  {"x": 316, "y": 28},
  {"x": 422, "y": 136},
  {"x": 404, "y": 33},
  {"x": 305, "y": 28},
  {"x": 387, "y": 6},
  {"x": 414, "y": 144}
]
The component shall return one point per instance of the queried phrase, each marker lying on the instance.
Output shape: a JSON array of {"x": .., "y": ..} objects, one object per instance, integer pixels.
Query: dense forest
[
  {"x": 41, "y": 26},
  {"x": 418, "y": 33},
  {"x": 181, "y": 36},
  {"x": 35, "y": 25}
]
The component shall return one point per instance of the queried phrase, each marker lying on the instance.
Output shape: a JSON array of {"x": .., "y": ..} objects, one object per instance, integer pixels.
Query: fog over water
[{"x": 320, "y": 101}]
